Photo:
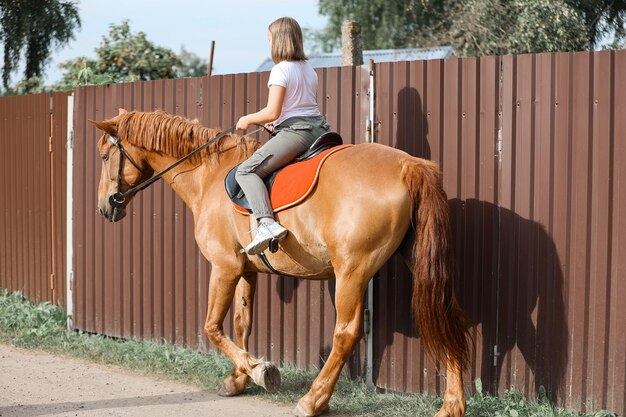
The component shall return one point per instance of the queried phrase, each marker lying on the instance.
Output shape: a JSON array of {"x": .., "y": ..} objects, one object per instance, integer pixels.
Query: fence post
[
  {"x": 69, "y": 242},
  {"x": 369, "y": 307}
]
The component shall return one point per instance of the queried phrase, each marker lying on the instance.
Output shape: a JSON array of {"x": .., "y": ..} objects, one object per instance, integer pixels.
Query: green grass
[{"x": 43, "y": 326}]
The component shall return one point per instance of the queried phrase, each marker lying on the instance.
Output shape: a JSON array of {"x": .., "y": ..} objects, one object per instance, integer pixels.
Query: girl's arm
[{"x": 267, "y": 114}]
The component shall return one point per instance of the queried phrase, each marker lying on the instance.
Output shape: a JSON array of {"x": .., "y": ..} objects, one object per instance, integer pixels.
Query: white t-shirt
[{"x": 300, "y": 80}]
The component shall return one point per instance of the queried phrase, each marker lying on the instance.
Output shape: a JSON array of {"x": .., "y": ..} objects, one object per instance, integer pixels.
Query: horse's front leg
[
  {"x": 236, "y": 382},
  {"x": 244, "y": 299},
  {"x": 221, "y": 290}
]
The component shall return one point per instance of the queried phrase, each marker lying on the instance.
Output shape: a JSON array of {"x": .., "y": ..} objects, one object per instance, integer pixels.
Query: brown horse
[{"x": 346, "y": 230}]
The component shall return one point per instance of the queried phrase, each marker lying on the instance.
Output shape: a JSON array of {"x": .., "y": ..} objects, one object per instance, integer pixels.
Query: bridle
[{"x": 118, "y": 198}]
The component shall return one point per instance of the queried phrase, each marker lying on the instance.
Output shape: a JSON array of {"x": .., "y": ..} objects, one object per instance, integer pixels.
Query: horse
[{"x": 347, "y": 229}]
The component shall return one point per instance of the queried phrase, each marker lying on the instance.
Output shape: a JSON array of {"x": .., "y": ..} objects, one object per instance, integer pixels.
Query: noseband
[{"x": 118, "y": 198}]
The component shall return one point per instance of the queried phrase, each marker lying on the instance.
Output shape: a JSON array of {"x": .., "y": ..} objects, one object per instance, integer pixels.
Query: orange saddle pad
[{"x": 295, "y": 181}]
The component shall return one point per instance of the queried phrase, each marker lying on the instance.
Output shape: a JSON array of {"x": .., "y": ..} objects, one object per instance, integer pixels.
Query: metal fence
[
  {"x": 533, "y": 154},
  {"x": 33, "y": 132},
  {"x": 532, "y": 150}
]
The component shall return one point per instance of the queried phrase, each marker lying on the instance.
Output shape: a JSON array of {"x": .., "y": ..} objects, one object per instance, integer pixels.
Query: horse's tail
[{"x": 442, "y": 323}]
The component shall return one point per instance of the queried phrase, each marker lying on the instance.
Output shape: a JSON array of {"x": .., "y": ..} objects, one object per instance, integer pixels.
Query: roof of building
[{"x": 381, "y": 55}]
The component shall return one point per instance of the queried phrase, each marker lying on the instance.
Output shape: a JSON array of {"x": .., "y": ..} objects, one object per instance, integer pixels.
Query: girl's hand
[
  {"x": 242, "y": 124},
  {"x": 269, "y": 127}
]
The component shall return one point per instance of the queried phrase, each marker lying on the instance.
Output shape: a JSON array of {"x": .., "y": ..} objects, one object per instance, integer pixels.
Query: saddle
[{"x": 305, "y": 168}]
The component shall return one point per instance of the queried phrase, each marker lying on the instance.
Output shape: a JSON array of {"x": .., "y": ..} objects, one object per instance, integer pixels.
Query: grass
[{"x": 43, "y": 326}]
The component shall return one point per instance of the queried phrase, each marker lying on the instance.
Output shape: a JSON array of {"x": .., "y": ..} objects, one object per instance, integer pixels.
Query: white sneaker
[{"x": 264, "y": 234}]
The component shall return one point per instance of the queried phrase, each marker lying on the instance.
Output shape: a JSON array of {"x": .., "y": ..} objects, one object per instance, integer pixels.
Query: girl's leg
[{"x": 275, "y": 154}]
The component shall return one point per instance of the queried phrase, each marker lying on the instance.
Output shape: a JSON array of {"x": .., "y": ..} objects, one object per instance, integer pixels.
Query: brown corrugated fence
[
  {"x": 446, "y": 111},
  {"x": 33, "y": 133},
  {"x": 532, "y": 150},
  {"x": 534, "y": 160}
]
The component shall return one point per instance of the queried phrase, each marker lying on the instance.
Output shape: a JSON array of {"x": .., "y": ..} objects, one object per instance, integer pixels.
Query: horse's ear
[
  {"x": 107, "y": 126},
  {"x": 121, "y": 111}
]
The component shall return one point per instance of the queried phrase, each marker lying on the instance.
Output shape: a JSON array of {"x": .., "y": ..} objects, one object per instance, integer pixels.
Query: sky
[{"x": 238, "y": 27}]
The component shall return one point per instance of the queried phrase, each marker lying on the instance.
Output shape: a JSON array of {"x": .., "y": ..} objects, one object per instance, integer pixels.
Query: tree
[
  {"x": 125, "y": 56},
  {"x": 490, "y": 27},
  {"x": 85, "y": 71},
  {"x": 32, "y": 29},
  {"x": 32, "y": 85},
  {"x": 476, "y": 27},
  {"x": 385, "y": 24},
  {"x": 602, "y": 17},
  {"x": 190, "y": 64}
]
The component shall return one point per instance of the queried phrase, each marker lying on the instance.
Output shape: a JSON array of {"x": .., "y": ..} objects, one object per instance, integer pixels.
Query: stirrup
[{"x": 273, "y": 247}]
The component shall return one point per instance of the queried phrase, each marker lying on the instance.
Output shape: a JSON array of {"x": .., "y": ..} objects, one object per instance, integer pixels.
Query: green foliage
[
  {"x": 133, "y": 55},
  {"x": 27, "y": 323},
  {"x": 476, "y": 27},
  {"x": 85, "y": 71},
  {"x": 33, "y": 85},
  {"x": 615, "y": 44},
  {"x": 602, "y": 18},
  {"x": 43, "y": 326},
  {"x": 513, "y": 404},
  {"x": 384, "y": 24},
  {"x": 190, "y": 64},
  {"x": 125, "y": 56},
  {"x": 32, "y": 29},
  {"x": 490, "y": 27}
]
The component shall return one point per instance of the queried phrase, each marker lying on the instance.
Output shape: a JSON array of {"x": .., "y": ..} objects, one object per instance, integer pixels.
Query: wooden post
[
  {"x": 351, "y": 44},
  {"x": 210, "y": 66}
]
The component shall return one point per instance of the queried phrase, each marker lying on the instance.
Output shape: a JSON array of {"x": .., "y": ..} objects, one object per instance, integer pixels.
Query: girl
[{"x": 292, "y": 114}]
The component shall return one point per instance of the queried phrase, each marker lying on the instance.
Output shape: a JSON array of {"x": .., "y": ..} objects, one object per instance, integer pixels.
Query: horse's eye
[{"x": 105, "y": 157}]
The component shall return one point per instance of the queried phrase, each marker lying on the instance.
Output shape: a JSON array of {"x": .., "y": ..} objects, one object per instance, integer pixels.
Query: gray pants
[{"x": 294, "y": 136}]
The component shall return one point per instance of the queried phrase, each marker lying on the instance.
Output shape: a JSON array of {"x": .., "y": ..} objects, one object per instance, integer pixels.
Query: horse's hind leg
[
  {"x": 221, "y": 291},
  {"x": 348, "y": 327},
  {"x": 236, "y": 382},
  {"x": 454, "y": 397}
]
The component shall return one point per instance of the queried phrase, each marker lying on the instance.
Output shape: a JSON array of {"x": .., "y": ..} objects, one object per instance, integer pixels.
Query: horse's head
[{"x": 123, "y": 166}]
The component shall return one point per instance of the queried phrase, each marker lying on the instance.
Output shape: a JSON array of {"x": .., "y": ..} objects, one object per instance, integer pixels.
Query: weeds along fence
[{"x": 533, "y": 155}]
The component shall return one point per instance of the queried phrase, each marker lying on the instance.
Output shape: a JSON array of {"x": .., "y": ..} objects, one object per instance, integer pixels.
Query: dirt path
[{"x": 39, "y": 384}]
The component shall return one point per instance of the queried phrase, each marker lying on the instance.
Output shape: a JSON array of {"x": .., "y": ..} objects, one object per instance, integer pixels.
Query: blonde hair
[{"x": 287, "y": 44}]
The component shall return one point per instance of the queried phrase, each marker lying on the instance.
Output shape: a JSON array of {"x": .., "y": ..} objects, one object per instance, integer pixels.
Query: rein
[{"x": 117, "y": 200}]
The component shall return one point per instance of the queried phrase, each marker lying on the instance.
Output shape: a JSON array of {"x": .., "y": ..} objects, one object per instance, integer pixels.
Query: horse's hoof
[
  {"x": 301, "y": 412},
  {"x": 267, "y": 376},
  {"x": 223, "y": 392}
]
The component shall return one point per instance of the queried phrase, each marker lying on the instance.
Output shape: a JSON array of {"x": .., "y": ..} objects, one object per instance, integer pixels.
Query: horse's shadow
[{"x": 526, "y": 310}]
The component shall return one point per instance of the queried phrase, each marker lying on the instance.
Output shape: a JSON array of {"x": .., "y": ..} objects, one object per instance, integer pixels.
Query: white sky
[{"x": 238, "y": 27}]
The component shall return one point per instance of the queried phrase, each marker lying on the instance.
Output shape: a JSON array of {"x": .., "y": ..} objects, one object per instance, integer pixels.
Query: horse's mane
[{"x": 176, "y": 136}]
